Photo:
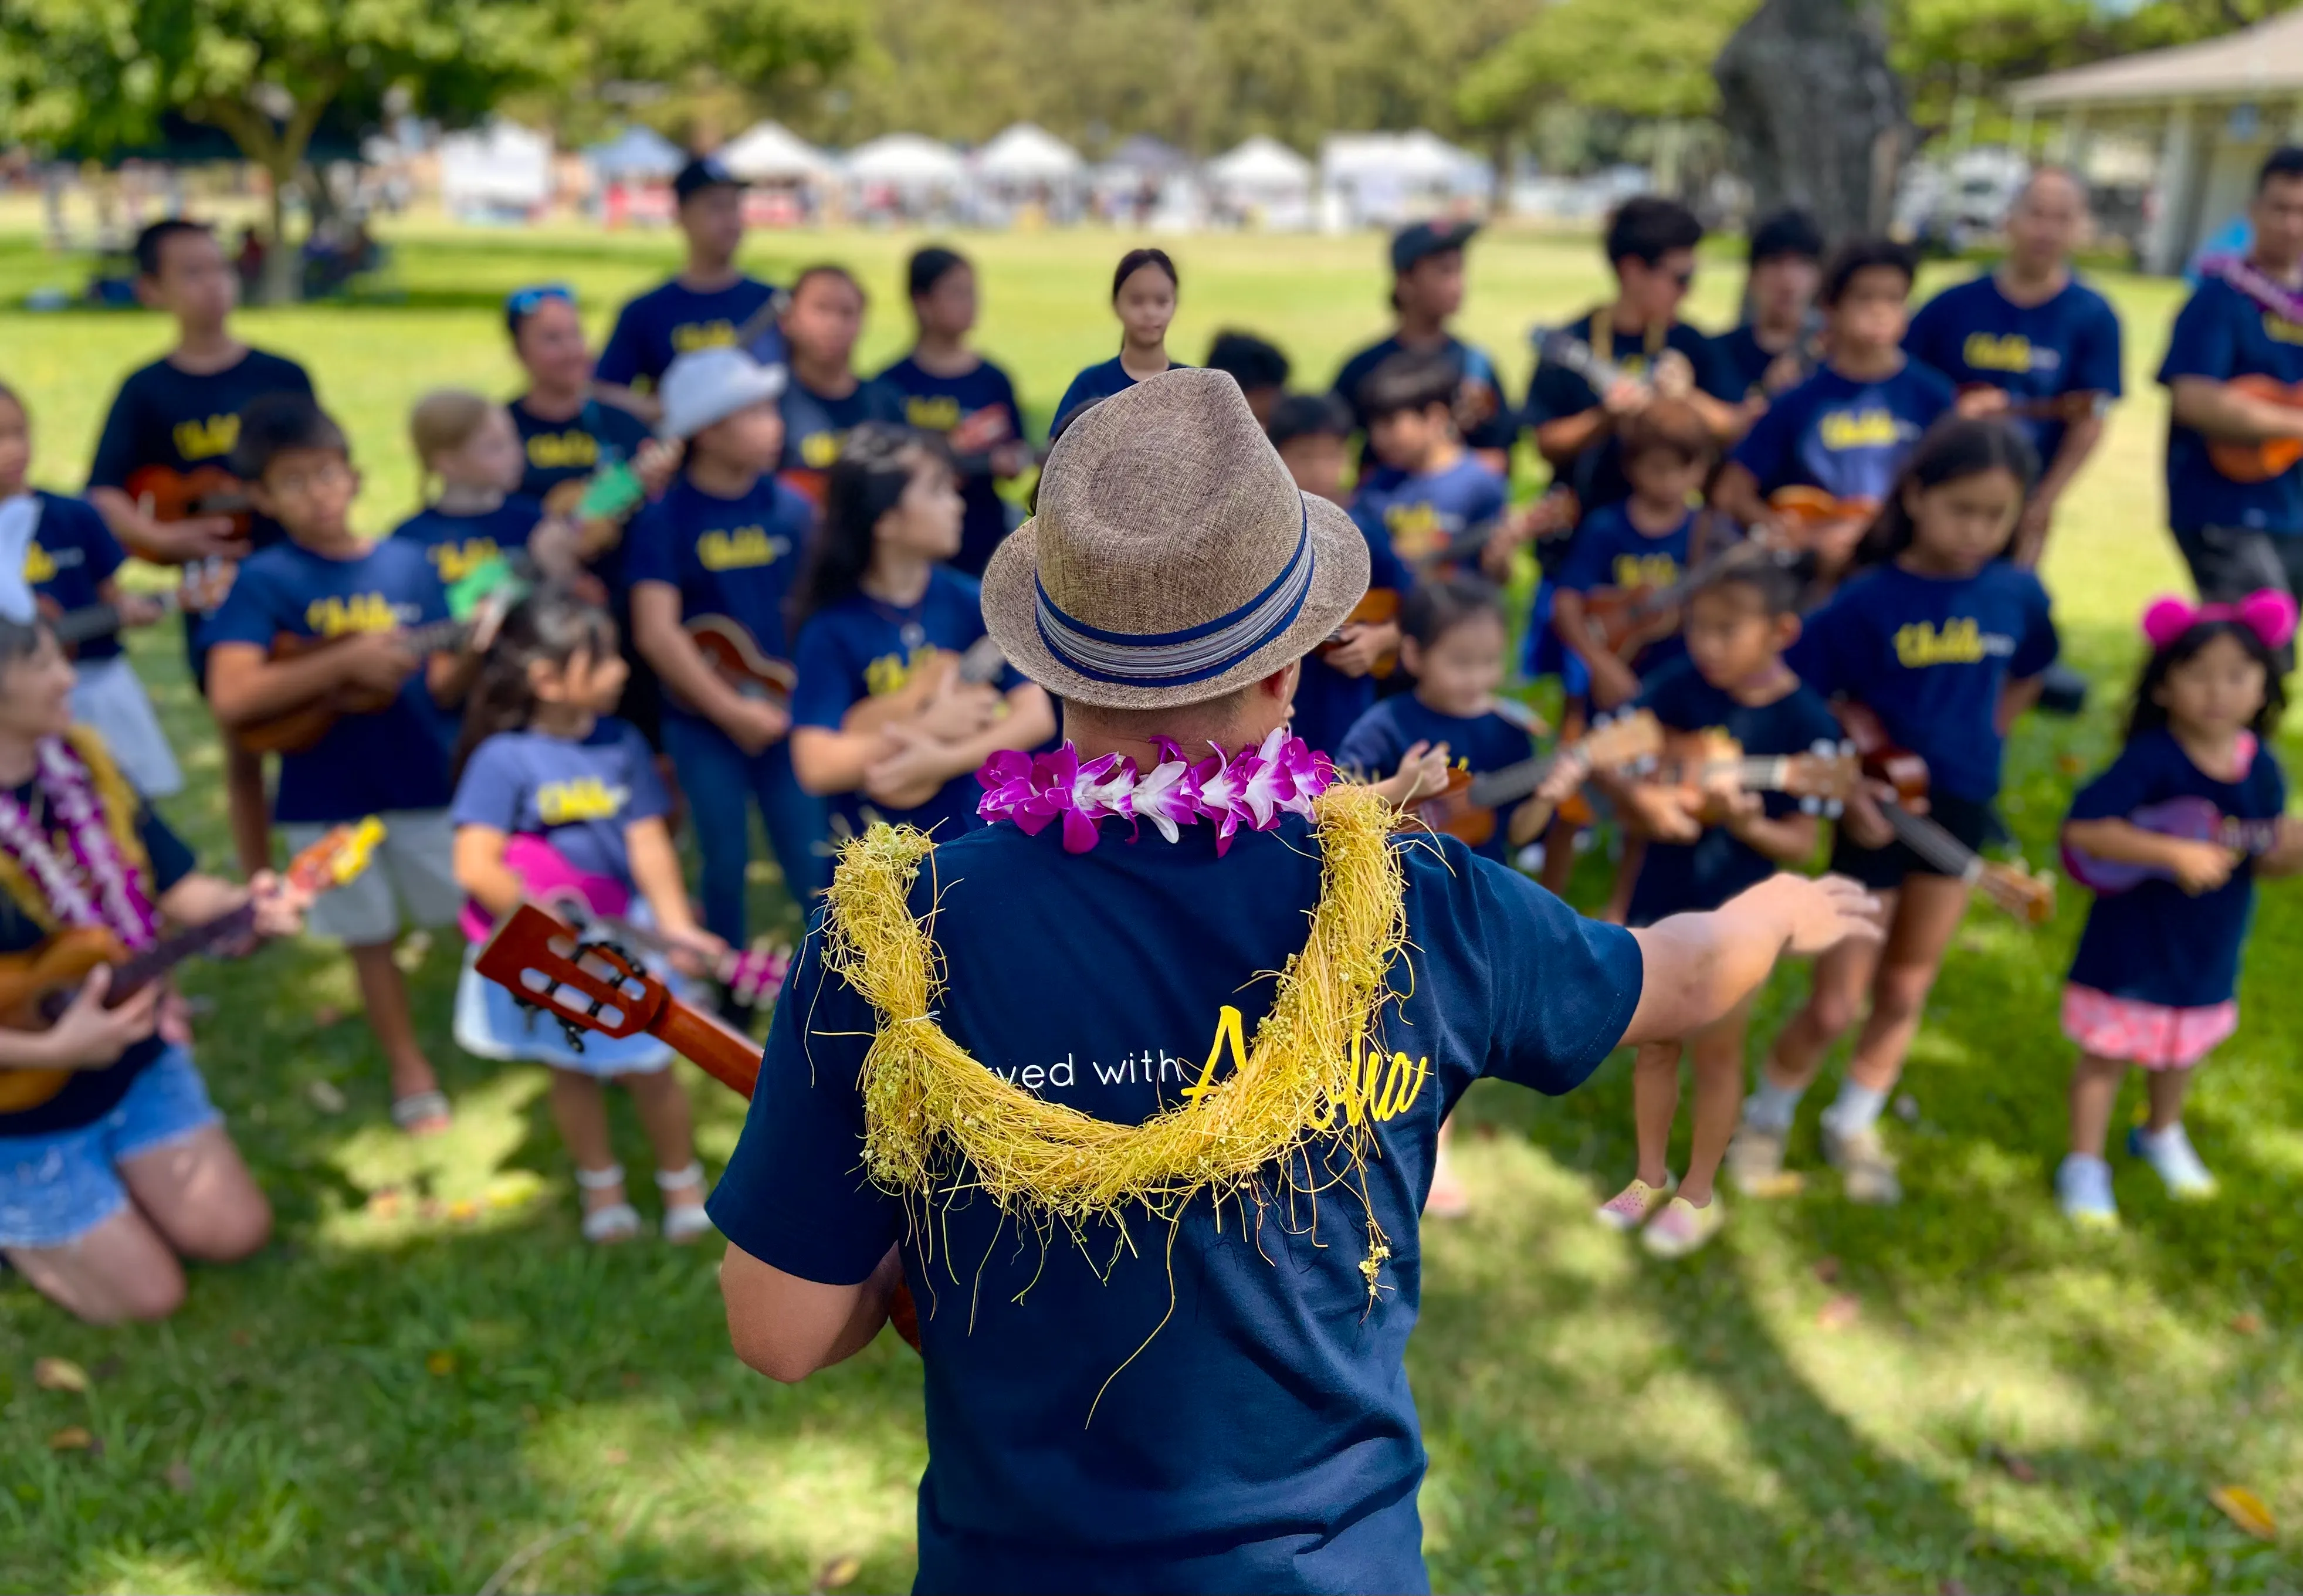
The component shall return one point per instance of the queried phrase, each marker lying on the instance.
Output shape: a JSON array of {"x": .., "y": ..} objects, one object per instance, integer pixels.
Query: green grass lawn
[{"x": 427, "y": 1383}]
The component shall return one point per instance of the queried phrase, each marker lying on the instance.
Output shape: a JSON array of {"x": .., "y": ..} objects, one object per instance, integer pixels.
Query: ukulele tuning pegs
[{"x": 1810, "y": 806}]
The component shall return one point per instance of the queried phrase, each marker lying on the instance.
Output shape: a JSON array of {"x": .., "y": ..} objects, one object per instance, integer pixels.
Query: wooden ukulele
[
  {"x": 36, "y": 986},
  {"x": 2264, "y": 458},
  {"x": 302, "y": 728},
  {"x": 596, "y": 986},
  {"x": 2069, "y": 408},
  {"x": 1624, "y": 620},
  {"x": 1704, "y": 766},
  {"x": 2028, "y": 896},
  {"x": 165, "y": 494},
  {"x": 1467, "y": 806},
  {"x": 979, "y": 665},
  {"x": 728, "y": 647}
]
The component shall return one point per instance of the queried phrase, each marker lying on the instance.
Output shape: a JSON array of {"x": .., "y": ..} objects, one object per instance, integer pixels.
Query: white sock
[
  {"x": 1772, "y": 1108},
  {"x": 1857, "y": 1109}
]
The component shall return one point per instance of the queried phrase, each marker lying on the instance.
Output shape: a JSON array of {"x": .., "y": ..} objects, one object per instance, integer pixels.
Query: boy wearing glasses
[
  {"x": 709, "y": 304},
  {"x": 326, "y": 581}
]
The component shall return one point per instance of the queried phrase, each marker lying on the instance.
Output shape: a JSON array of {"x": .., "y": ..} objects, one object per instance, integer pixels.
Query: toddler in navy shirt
[{"x": 471, "y": 444}]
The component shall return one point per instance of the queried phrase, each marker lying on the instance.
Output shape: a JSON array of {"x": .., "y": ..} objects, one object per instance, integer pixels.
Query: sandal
[
  {"x": 683, "y": 1222},
  {"x": 610, "y": 1222},
  {"x": 1632, "y": 1207},
  {"x": 423, "y": 1113}
]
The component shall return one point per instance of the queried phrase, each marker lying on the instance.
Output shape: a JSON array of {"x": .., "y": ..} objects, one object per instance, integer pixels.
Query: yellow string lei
[{"x": 936, "y": 1120}]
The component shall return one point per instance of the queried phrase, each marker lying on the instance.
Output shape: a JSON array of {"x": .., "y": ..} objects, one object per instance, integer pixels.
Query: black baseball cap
[
  {"x": 1422, "y": 239},
  {"x": 702, "y": 172}
]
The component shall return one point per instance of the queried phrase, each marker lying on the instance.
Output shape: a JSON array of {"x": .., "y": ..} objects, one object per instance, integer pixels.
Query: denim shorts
[{"x": 57, "y": 1186}]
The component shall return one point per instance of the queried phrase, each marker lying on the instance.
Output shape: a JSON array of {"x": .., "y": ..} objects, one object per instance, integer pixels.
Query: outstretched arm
[
  {"x": 1696, "y": 967},
  {"x": 788, "y": 1328}
]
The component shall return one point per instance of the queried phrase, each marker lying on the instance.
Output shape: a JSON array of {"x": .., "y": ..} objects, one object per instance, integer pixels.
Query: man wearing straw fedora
[{"x": 1135, "y": 1090}]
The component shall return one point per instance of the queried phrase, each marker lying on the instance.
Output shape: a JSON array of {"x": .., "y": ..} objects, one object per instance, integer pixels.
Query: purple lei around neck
[
  {"x": 2276, "y": 297},
  {"x": 1253, "y": 789}
]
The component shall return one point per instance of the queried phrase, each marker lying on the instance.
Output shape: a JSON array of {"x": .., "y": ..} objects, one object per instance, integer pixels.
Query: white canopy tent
[
  {"x": 906, "y": 160},
  {"x": 1385, "y": 179},
  {"x": 1028, "y": 154},
  {"x": 1265, "y": 181},
  {"x": 499, "y": 169},
  {"x": 769, "y": 152}
]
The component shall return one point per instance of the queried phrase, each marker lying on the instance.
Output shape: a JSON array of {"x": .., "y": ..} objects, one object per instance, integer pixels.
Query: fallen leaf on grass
[
  {"x": 178, "y": 1477},
  {"x": 2247, "y": 1324},
  {"x": 326, "y": 1097},
  {"x": 2237, "y": 1503},
  {"x": 75, "y": 1438},
  {"x": 1826, "y": 1269},
  {"x": 58, "y": 1374},
  {"x": 614, "y": 1456},
  {"x": 2019, "y": 1467},
  {"x": 439, "y": 1363},
  {"x": 1840, "y": 1311},
  {"x": 840, "y": 1571}
]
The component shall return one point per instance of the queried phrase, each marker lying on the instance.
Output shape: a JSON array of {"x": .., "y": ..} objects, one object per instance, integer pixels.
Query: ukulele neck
[
  {"x": 1933, "y": 844},
  {"x": 140, "y": 970}
]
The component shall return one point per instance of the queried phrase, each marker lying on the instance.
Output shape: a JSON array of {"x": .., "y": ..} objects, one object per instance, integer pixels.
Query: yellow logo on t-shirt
[
  {"x": 740, "y": 547},
  {"x": 1873, "y": 428},
  {"x": 578, "y": 799},
  {"x": 892, "y": 673},
  {"x": 2281, "y": 330},
  {"x": 1646, "y": 570},
  {"x": 205, "y": 440},
  {"x": 1415, "y": 530},
  {"x": 39, "y": 565},
  {"x": 557, "y": 450},
  {"x": 932, "y": 413},
  {"x": 456, "y": 560},
  {"x": 1958, "y": 642},
  {"x": 1999, "y": 351},
  {"x": 818, "y": 450},
  {"x": 334, "y": 617},
  {"x": 1377, "y": 1087},
  {"x": 693, "y": 335}
]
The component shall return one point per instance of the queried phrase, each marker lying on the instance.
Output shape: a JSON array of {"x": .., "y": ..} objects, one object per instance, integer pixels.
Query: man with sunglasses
[
  {"x": 1651, "y": 249},
  {"x": 708, "y": 304}
]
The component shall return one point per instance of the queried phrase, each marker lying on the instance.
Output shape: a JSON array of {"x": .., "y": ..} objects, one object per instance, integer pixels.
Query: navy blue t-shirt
[
  {"x": 2157, "y": 943},
  {"x": 1608, "y": 550},
  {"x": 1680, "y": 877},
  {"x": 1744, "y": 360},
  {"x": 1378, "y": 739},
  {"x": 1483, "y": 416},
  {"x": 396, "y": 758},
  {"x": 1326, "y": 701},
  {"x": 577, "y": 796},
  {"x": 1427, "y": 513},
  {"x": 666, "y": 323},
  {"x": 2220, "y": 334},
  {"x": 815, "y": 427},
  {"x": 864, "y": 648},
  {"x": 1975, "y": 334},
  {"x": 1930, "y": 656},
  {"x": 1554, "y": 392},
  {"x": 975, "y": 413},
  {"x": 557, "y": 452},
  {"x": 1848, "y": 438},
  {"x": 71, "y": 554},
  {"x": 732, "y": 557},
  {"x": 459, "y": 545},
  {"x": 1099, "y": 381},
  {"x": 87, "y": 1095},
  {"x": 1264, "y": 1437}
]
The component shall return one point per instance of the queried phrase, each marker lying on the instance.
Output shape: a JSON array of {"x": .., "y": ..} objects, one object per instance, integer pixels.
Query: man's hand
[
  {"x": 1818, "y": 913},
  {"x": 376, "y": 662},
  {"x": 88, "y": 1037},
  {"x": 753, "y": 724},
  {"x": 1364, "y": 643},
  {"x": 2199, "y": 867}
]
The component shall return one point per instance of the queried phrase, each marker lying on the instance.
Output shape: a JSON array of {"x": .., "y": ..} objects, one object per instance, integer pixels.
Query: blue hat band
[{"x": 1179, "y": 658}]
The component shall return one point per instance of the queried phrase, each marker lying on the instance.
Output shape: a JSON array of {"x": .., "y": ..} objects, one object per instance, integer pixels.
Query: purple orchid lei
[{"x": 1252, "y": 788}]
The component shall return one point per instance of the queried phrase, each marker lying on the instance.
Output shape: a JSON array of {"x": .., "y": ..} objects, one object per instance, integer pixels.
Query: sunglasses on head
[{"x": 525, "y": 303}]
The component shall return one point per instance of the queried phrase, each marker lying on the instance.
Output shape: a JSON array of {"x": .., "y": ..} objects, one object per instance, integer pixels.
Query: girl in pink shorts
[{"x": 2172, "y": 837}]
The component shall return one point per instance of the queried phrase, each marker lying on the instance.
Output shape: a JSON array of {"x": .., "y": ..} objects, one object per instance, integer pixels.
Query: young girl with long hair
[
  {"x": 555, "y": 797},
  {"x": 1943, "y": 640},
  {"x": 1143, "y": 290},
  {"x": 2155, "y": 981},
  {"x": 882, "y": 719}
]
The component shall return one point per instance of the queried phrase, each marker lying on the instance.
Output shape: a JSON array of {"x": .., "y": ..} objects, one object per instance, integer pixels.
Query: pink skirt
[{"x": 2145, "y": 1033}]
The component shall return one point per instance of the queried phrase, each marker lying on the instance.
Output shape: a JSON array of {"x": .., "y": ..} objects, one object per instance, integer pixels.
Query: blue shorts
[{"x": 57, "y": 1186}]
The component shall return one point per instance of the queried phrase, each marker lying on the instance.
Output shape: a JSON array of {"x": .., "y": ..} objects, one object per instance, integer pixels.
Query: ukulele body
[
  {"x": 1624, "y": 620},
  {"x": 1882, "y": 758},
  {"x": 33, "y": 986},
  {"x": 738, "y": 661},
  {"x": 302, "y": 728},
  {"x": 173, "y": 495},
  {"x": 1379, "y": 608},
  {"x": 2267, "y": 458},
  {"x": 1451, "y": 813}
]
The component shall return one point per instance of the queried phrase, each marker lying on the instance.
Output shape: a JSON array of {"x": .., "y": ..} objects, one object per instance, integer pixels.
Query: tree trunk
[
  {"x": 283, "y": 266},
  {"x": 1815, "y": 115}
]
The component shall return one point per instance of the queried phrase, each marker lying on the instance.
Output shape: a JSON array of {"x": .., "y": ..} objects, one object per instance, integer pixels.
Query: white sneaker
[
  {"x": 2083, "y": 1191},
  {"x": 2170, "y": 1153},
  {"x": 1866, "y": 1166}
]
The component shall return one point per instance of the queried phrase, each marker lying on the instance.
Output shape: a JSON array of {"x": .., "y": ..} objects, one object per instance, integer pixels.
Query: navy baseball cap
[
  {"x": 704, "y": 172},
  {"x": 1422, "y": 239}
]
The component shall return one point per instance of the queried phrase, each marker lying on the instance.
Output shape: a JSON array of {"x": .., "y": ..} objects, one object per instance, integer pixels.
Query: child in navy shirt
[
  {"x": 950, "y": 390},
  {"x": 1312, "y": 433},
  {"x": 470, "y": 444},
  {"x": 1436, "y": 497},
  {"x": 1846, "y": 431},
  {"x": 1945, "y": 641},
  {"x": 2153, "y": 982},
  {"x": 882, "y": 723},
  {"x": 1708, "y": 840},
  {"x": 725, "y": 541},
  {"x": 1143, "y": 289},
  {"x": 711, "y": 304},
  {"x": 556, "y": 795},
  {"x": 825, "y": 397},
  {"x": 326, "y": 581},
  {"x": 70, "y": 558}
]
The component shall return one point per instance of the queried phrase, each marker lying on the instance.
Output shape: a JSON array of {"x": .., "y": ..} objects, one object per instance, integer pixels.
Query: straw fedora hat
[{"x": 1173, "y": 558}]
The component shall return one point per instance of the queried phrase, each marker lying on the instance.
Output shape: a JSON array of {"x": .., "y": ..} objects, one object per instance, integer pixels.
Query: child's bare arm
[
  {"x": 656, "y": 871},
  {"x": 481, "y": 871}
]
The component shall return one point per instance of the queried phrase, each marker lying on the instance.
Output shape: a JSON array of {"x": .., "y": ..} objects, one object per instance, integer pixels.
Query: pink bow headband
[{"x": 2267, "y": 612}]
